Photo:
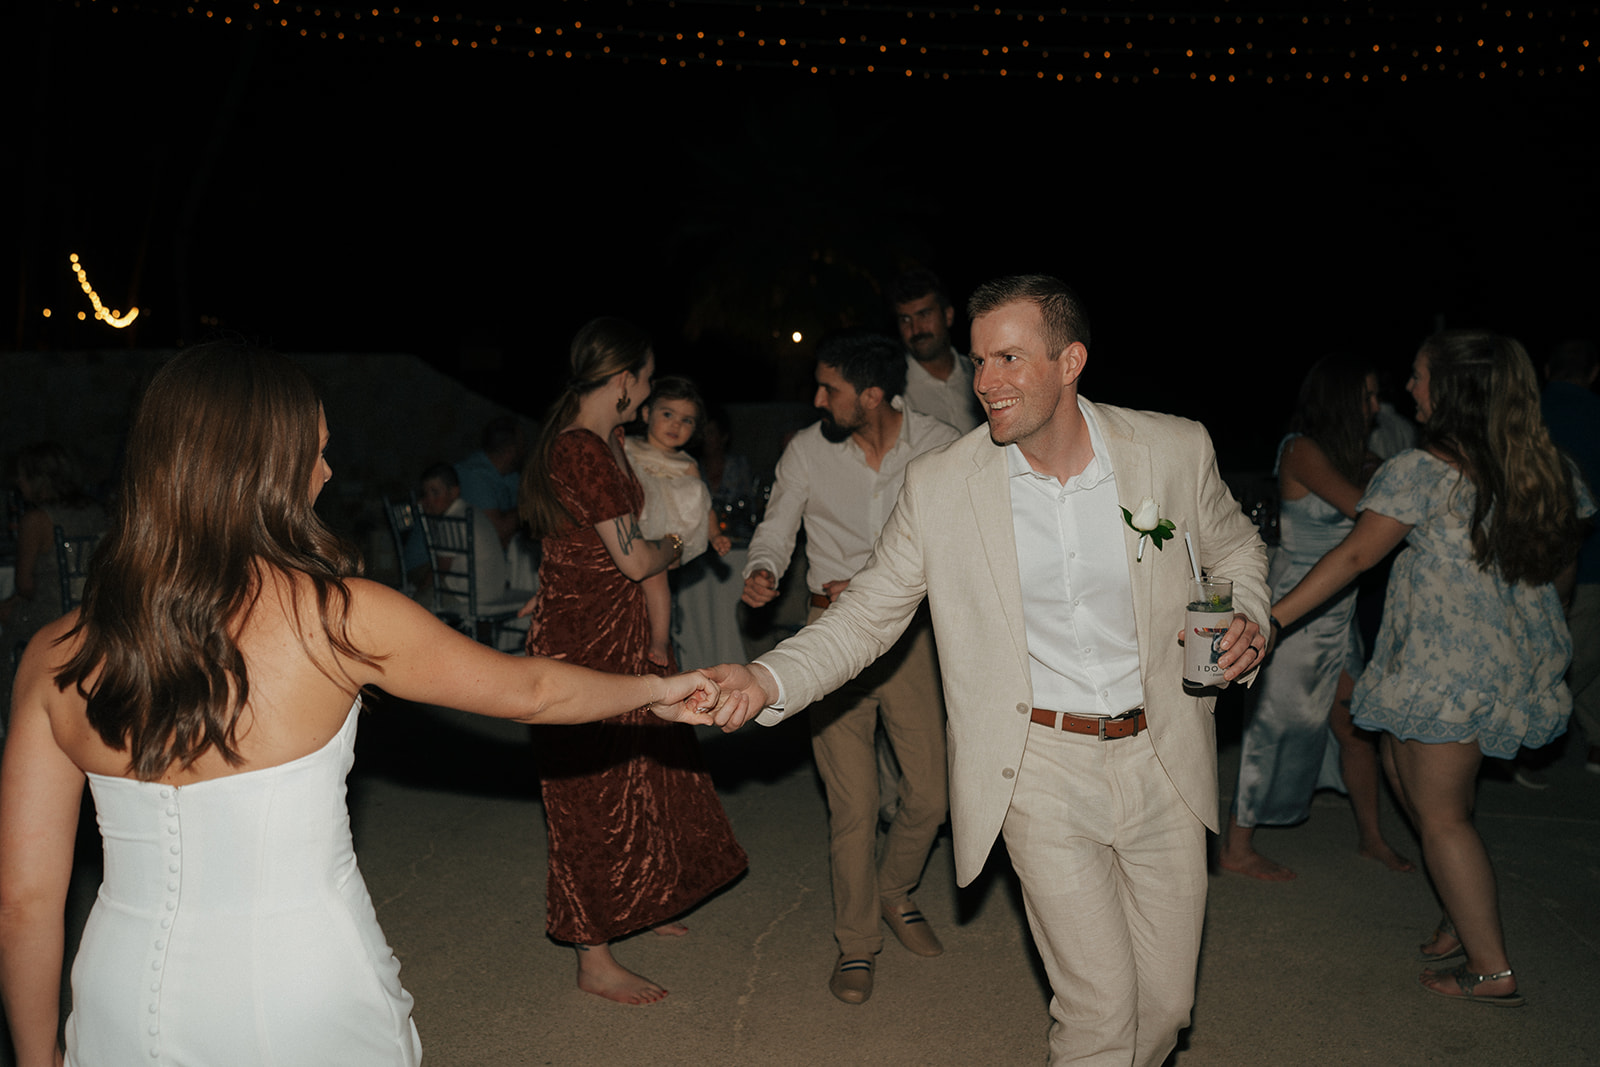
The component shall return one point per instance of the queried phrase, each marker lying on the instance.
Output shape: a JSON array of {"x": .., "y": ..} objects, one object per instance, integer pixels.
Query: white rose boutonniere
[{"x": 1146, "y": 521}]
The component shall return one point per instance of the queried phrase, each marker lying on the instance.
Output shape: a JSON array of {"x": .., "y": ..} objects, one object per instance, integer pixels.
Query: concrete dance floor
[{"x": 450, "y": 836}]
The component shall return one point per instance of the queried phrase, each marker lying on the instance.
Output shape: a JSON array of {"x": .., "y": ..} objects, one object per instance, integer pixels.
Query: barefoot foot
[
  {"x": 1254, "y": 865},
  {"x": 600, "y": 973},
  {"x": 1388, "y": 857},
  {"x": 670, "y": 929}
]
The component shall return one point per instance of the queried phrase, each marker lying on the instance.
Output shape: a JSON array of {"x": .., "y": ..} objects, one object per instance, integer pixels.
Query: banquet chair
[
  {"x": 402, "y": 520},
  {"x": 452, "y": 554},
  {"x": 72, "y": 565}
]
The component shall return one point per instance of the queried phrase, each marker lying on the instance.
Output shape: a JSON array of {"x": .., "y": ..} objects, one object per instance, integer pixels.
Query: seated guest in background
[
  {"x": 489, "y": 477},
  {"x": 52, "y": 490},
  {"x": 441, "y": 495},
  {"x": 490, "y": 480}
]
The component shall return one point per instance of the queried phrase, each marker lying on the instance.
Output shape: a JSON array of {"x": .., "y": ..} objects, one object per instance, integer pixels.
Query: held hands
[
  {"x": 754, "y": 685},
  {"x": 835, "y": 587},
  {"x": 695, "y": 699},
  {"x": 760, "y": 589},
  {"x": 721, "y": 544}
]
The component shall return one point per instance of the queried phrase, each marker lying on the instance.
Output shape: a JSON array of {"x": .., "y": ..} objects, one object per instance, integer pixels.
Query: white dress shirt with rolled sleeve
[{"x": 840, "y": 498}]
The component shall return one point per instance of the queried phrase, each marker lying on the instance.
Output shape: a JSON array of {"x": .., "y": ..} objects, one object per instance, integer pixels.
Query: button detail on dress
[
  {"x": 1022, "y": 709},
  {"x": 1008, "y": 773}
]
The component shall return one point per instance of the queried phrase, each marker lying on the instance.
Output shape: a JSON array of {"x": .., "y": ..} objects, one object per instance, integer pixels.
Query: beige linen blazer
[{"x": 950, "y": 538}]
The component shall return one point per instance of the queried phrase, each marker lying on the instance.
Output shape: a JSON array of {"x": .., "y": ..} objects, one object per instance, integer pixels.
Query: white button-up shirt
[
  {"x": 1077, "y": 594},
  {"x": 842, "y": 500},
  {"x": 951, "y": 400}
]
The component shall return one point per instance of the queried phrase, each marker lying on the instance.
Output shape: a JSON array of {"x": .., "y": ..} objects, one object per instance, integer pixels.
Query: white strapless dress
[{"x": 233, "y": 928}]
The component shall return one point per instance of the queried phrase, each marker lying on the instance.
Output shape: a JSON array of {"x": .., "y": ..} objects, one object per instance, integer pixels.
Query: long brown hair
[
  {"x": 215, "y": 496},
  {"x": 1485, "y": 416},
  {"x": 1332, "y": 411},
  {"x": 602, "y": 349}
]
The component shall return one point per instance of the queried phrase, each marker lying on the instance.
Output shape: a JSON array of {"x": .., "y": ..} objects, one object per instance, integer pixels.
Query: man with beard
[
  {"x": 1071, "y": 735},
  {"x": 841, "y": 477},
  {"x": 938, "y": 379}
]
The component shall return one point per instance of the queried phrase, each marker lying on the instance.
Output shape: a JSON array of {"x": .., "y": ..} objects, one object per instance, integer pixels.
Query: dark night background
[{"x": 475, "y": 205}]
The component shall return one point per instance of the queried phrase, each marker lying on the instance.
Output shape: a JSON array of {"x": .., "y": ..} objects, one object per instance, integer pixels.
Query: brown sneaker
[
  {"x": 911, "y": 927},
  {"x": 852, "y": 979}
]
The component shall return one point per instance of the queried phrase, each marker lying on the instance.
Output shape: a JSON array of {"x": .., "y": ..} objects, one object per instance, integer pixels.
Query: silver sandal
[
  {"x": 1467, "y": 984},
  {"x": 1446, "y": 928}
]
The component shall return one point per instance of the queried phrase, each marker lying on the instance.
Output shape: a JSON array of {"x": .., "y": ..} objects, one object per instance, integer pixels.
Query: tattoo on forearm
[{"x": 627, "y": 533}]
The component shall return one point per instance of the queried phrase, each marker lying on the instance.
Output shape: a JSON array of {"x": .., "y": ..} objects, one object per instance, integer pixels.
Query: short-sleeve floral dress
[{"x": 1461, "y": 655}]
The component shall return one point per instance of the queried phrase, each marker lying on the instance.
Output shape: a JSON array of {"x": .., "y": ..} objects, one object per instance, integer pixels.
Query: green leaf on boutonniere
[{"x": 1164, "y": 529}]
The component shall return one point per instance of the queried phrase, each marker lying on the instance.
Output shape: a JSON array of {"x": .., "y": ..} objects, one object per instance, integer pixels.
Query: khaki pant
[{"x": 901, "y": 687}]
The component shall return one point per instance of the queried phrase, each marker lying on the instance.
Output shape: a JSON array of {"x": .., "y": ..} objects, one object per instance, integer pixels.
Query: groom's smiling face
[{"x": 1021, "y": 386}]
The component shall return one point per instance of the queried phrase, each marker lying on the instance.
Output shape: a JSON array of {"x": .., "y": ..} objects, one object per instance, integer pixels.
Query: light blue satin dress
[{"x": 1288, "y": 751}]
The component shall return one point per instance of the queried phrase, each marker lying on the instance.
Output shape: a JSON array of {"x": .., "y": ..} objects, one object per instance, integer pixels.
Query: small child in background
[{"x": 676, "y": 500}]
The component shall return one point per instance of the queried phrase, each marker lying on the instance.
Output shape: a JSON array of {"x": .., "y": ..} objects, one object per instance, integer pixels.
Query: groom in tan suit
[{"x": 1069, "y": 730}]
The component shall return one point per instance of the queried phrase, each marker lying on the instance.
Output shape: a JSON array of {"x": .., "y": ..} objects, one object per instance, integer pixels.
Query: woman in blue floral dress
[{"x": 1470, "y": 658}]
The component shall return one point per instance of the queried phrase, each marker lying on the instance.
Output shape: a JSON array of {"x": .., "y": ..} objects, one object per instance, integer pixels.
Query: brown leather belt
[
  {"x": 819, "y": 601},
  {"x": 1125, "y": 725}
]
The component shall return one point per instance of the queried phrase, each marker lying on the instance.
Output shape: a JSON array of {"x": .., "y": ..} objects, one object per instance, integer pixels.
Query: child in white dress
[{"x": 676, "y": 500}]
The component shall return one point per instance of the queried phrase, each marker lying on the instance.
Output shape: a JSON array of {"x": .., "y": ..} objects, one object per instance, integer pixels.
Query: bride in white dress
[{"x": 208, "y": 692}]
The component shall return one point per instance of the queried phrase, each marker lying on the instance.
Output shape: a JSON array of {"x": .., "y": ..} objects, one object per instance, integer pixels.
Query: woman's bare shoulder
[
  {"x": 52, "y": 646},
  {"x": 36, "y": 687}
]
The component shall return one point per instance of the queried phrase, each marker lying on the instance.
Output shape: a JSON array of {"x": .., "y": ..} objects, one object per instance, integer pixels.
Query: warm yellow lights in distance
[
  {"x": 634, "y": 43},
  {"x": 796, "y": 337},
  {"x": 106, "y": 315}
]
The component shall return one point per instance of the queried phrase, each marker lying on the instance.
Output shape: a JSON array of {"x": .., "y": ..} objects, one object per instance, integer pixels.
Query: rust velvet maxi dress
[{"x": 637, "y": 834}]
